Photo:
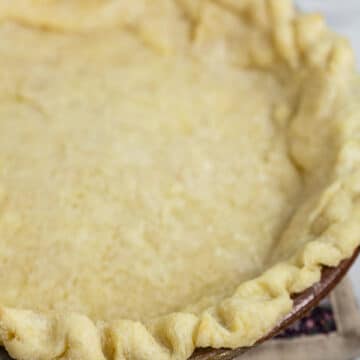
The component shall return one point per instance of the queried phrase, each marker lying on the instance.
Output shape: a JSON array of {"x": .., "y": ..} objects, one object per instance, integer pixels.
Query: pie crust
[{"x": 170, "y": 172}]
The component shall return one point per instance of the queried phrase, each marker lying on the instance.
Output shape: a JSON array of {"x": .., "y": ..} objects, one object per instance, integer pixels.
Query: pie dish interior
[{"x": 170, "y": 172}]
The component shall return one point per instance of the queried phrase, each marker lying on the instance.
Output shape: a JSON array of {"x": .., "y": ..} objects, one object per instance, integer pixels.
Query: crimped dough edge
[{"x": 328, "y": 235}]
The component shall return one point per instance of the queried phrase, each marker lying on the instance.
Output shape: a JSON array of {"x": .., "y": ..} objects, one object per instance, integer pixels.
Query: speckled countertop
[{"x": 344, "y": 17}]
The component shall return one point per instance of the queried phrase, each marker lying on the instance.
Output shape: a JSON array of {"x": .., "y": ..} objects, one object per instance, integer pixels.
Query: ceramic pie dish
[
  {"x": 171, "y": 172},
  {"x": 303, "y": 303}
]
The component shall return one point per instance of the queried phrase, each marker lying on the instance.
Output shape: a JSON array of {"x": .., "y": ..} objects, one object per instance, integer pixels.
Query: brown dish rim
[{"x": 303, "y": 303}]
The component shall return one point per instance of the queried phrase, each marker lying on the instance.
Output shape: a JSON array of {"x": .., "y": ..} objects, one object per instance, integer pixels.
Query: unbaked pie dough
[{"x": 170, "y": 172}]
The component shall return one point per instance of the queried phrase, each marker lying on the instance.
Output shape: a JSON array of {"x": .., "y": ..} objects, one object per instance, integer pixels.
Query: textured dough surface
[
  {"x": 138, "y": 187},
  {"x": 170, "y": 172}
]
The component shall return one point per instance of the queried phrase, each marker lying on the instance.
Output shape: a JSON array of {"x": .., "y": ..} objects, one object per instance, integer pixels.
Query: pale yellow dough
[{"x": 170, "y": 172}]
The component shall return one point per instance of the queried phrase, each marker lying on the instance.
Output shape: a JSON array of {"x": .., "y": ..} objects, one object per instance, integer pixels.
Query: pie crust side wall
[{"x": 329, "y": 233}]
